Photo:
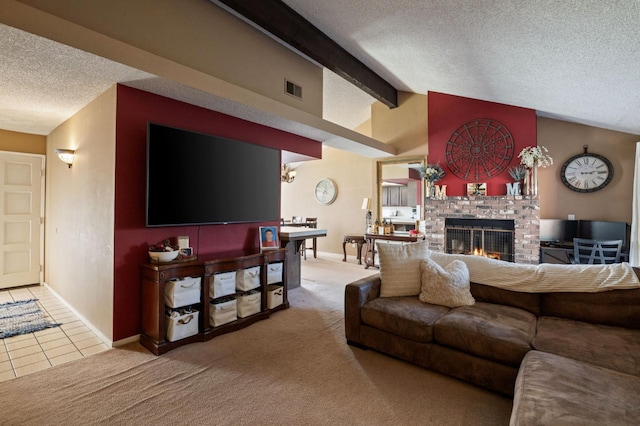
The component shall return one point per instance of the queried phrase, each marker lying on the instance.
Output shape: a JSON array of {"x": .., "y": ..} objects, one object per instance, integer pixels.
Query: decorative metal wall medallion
[{"x": 479, "y": 149}]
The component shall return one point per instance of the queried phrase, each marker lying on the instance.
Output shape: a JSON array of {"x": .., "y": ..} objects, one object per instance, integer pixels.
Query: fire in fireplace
[{"x": 492, "y": 238}]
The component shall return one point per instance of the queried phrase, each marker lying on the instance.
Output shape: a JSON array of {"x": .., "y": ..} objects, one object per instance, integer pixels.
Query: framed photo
[
  {"x": 269, "y": 238},
  {"x": 186, "y": 251},
  {"x": 476, "y": 189}
]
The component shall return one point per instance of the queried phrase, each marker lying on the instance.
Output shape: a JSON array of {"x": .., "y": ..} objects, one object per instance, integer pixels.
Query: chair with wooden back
[
  {"x": 595, "y": 252},
  {"x": 312, "y": 222}
]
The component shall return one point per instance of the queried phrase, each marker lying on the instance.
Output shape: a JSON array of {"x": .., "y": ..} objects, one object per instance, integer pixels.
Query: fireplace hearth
[
  {"x": 524, "y": 211},
  {"x": 491, "y": 238}
]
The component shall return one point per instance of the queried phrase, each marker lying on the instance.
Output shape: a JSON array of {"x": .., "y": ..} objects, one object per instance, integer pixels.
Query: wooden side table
[
  {"x": 370, "y": 255},
  {"x": 353, "y": 239}
]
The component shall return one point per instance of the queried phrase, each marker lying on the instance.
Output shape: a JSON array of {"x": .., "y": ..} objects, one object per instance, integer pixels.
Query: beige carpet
[{"x": 292, "y": 369}]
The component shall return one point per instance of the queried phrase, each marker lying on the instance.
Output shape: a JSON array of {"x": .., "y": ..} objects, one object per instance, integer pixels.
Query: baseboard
[
  {"x": 97, "y": 332},
  {"x": 126, "y": 341}
]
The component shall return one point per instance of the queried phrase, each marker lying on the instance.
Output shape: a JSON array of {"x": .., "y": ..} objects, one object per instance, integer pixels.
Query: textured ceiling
[
  {"x": 43, "y": 83},
  {"x": 573, "y": 60},
  {"x": 576, "y": 60}
]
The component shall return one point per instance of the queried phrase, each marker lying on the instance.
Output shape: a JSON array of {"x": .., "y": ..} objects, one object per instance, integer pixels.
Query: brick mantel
[{"x": 523, "y": 210}]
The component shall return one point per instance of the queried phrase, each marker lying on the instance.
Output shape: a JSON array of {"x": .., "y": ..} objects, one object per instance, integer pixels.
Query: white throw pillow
[
  {"x": 400, "y": 268},
  {"x": 448, "y": 286}
]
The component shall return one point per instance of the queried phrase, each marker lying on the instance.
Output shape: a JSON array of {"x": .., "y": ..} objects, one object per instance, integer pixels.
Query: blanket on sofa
[{"x": 545, "y": 277}]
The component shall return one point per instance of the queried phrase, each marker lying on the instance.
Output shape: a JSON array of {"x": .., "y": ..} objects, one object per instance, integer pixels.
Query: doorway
[{"x": 22, "y": 216}]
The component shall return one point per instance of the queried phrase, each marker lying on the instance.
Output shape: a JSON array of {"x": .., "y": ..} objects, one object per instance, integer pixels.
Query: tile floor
[{"x": 28, "y": 353}]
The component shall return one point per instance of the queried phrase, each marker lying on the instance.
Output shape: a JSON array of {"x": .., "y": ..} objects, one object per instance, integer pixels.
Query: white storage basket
[
  {"x": 249, "y": 304},
  {"x": 182, "y": 324},
  {"x": 178, "y": 293},
  {"x": 274, "y": 273},
  {"x": 223, "y": 313},
  {"x": 248, "y": 279},
  {"x": 275, "y": 296},
  {"x": 223, "y": 284}
]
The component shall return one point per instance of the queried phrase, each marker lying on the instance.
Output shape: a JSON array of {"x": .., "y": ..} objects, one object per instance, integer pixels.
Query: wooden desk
[
  {"x": 370, "y": 255},
  {"x": 556, "y": 255},
  {"x": 291, "y": 239},
  {"x": 358, "y": 239},
  {"x": 559, "y": 255}
]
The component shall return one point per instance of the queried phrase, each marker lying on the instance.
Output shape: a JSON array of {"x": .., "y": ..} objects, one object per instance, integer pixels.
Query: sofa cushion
[
  {"x": 400, "y": 268},
  {"x": 448, "y": 286},
  {"x": 554, "y": 390},
  {"x": 620, "y": 308},
  {"x": 610, "y": 347},
  {"x": 403, "y": 316},
  {"x": 531, "y": 302},
  {"x": 496, "y": 332}
]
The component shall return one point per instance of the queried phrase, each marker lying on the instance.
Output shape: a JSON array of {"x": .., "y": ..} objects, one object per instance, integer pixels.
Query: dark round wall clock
[
  {"x": 479, "y": 149},
  {"x": 586, "y": 172}
]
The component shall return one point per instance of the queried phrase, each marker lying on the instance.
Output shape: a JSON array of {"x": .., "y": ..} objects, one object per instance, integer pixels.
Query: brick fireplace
[{"x": 523, "y": 210}]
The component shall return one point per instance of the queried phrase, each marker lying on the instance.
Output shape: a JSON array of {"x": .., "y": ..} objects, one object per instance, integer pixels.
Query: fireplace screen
[{"x": 482, "y": 237}]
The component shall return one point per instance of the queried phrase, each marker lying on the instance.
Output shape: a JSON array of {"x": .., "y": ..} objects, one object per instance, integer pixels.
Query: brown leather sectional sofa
[{"x": 567, "y": 358}]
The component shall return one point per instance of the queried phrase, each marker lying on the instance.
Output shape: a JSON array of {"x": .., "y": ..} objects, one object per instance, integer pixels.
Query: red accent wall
[
  {"x": 134, "y": 109},
  {"x": 448, "y": 112}
]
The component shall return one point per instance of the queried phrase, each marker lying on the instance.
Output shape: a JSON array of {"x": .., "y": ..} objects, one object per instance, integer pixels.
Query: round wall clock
[
  {"x": 480, "y": 148},
  {"x": 326, "y": 191},
  {"x": 586, "y": 172}
]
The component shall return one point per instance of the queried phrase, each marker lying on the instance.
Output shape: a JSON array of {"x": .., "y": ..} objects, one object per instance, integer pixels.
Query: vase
[
  {"x": 531, "y": 182},
  {"x": 430, "y": 189}
]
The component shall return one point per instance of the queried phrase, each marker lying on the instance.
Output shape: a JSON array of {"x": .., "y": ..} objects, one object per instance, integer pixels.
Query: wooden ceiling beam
[{"x": 286, "y": 24}]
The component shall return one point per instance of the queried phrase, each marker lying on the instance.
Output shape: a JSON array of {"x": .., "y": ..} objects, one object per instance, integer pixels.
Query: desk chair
[
  {"x": 312, "y": 222},
  {"x": 595, "y": 252}
]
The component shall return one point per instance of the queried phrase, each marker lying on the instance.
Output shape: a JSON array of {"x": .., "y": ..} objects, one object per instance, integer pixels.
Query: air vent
[{"x": 292, "y": 89}]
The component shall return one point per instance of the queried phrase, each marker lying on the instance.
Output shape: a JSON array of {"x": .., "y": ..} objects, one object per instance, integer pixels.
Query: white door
[{"x": 21, "y": 207}]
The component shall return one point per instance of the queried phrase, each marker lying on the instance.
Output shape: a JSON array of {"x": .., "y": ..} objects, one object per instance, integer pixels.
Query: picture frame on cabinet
[
  {"x": 186, "y": 251},
  {"x": 269, "y": 238}
]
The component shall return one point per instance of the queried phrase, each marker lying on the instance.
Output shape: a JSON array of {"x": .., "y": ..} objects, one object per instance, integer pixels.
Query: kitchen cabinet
[{"x": 395, "y": 196}]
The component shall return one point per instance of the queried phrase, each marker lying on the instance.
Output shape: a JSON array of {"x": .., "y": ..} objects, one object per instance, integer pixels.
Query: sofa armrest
[{"x": 356, "y": 294}]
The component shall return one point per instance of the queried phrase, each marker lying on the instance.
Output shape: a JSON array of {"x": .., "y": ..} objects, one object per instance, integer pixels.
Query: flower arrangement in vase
[
  {"x": 533, "y": 157},
  {"x": 431, "y": 173}
]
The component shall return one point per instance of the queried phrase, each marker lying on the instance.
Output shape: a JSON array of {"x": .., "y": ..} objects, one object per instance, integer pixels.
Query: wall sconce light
[
  {"x": 66, "y": 155},
  {"x": 288, "y": 174}
]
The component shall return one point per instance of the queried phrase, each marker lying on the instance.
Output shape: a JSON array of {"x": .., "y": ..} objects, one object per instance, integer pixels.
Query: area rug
[{"x": 21, "y": 317}]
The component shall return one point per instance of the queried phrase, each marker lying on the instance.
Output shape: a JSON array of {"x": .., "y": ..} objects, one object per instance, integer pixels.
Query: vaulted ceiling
[{"x": 576, "y": 60}]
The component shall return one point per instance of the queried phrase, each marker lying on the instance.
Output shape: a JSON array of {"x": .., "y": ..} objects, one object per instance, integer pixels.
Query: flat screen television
[{"x": 195, "y": 179}]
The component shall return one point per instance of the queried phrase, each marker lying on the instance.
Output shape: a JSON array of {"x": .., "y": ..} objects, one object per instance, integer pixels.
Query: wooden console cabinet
[{"x": 156, "y": 275}]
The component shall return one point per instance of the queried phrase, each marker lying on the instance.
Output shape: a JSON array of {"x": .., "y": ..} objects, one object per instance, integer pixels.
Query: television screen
[{"x": 193, "y": 179}]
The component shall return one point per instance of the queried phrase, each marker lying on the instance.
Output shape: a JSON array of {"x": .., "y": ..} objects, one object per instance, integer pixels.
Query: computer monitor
[
  {"x": 603, "y": 230},
  {"x": 558, "y": 230}
]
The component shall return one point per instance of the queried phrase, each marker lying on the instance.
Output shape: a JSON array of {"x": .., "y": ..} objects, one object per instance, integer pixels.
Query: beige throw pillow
[
  {"x": 448, "y": 286},
  {"x": 400, "y": 268}
]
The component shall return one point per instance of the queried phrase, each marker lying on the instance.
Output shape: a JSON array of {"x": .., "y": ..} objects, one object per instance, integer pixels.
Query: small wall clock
[
  {"x": 586, "y": 172},
  {"x": 326, "y": 191}
]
